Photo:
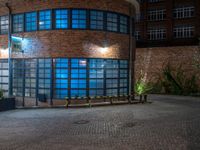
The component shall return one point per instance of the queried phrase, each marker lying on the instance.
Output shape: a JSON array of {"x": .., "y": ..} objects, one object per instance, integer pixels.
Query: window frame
[
  {"x": 25, "y": 22},
  {"x": 68, "y": 19},
  {"x": 22, "y": 23},
  {"x": 78, "y": 19},
  {"x": 51, "y": 20}
]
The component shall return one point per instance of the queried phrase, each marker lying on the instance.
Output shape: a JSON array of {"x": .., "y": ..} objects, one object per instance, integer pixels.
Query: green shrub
[
  {"x": 141, "y": 87},
  {"x": 175, "y": 81}
]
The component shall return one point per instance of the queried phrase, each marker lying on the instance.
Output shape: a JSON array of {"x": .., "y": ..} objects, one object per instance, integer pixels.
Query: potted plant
[
  {"x": 6, "y": 103},
  {"x": 142, "y": 88}
]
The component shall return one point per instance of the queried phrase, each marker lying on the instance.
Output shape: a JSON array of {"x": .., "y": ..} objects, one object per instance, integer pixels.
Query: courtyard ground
[{"x": 169, "y": 123}]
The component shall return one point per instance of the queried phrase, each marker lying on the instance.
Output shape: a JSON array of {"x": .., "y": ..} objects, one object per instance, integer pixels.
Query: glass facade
[
  {"x": 31, "y": 21},
  {"x": 96, "y": 20},
  {"x": 112, "y": 22},
  {"x": 79, "y": 19},
  {"x": 62, "y": 77},
  {"x": 63, "y": 18},
  {"x": 4, "y": 76},
  {"x": 45, "y": 20},
  {"x": 4, "y": 24},
  {"x": 18, "y": 23}
]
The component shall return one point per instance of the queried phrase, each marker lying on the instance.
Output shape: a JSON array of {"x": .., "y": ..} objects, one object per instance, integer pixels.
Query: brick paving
[{"x": 169, "y": 123}]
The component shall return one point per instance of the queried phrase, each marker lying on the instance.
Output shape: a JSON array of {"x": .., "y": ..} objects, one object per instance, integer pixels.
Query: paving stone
[{"x": 169, "y": 123}]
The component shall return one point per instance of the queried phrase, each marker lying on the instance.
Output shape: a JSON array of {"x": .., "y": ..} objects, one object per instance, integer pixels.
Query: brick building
[
  {"x": 167, "y": 31},
  {"x": 64, "y": 48}
]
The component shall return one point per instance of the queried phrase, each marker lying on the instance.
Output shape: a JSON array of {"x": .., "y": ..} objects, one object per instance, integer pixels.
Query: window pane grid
[
  {"x": 4, "y": 25},
  {"x": 31, "y": 21},
  {"x": 185, "y": 31},
  {"x": 61, "y": 17},
  {"x": 112, "y": 23},
  {"x": 30, "y": 78},
  {"x": 79, "y": 19},
  {"x": 96, "y": 20},
  {"x": 123, "y": 24},
  {"x": 18, "y": 23},
  {"x": 70, "y": 78},
  {"x": 45, "y": 20},
  {"x": 184, "y": 12},
  {"x": 4, "y": 76},
  {"x": 61, "y": 78}
]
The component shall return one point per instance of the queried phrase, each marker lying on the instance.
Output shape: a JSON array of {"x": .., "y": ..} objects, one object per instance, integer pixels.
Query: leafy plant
[
  {"x": 175, "y": 81},
  {"x": 141, "y": 87}
]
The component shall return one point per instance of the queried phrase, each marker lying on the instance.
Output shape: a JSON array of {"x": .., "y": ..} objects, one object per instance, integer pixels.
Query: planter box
[{"x": 7, "y": 104}]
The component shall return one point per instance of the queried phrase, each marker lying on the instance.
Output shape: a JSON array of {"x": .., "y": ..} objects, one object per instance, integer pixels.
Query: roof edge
[{"x": 136, "y": 4}]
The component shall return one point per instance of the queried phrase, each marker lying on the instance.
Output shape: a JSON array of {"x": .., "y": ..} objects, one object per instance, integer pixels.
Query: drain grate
[
  {"x": 82, "y": 122},
  {"x": 130, "y": 124}
]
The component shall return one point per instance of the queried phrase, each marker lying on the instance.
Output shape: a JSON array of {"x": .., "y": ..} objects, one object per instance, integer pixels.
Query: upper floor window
[
  {"x": 184, "y": 12},
  {"x": 61, "y": 18},
  {"x": 184, "y": 31},
  {"x": 31, "y": 21},
  {"x": 79, "y": 19},
  {"x": 137, "y": 35},
  {"x": 156, "y": 14},
  {"x": 18, "y": 23},
  {"x": 96, "y": 20},
  {"x": 45, "y": 20},
  {"x": 156, "y": 33},
  {"x": 123, "y": 24},
  {"x": 112, "y": 22},
  {"x": 4, "y": 24}
]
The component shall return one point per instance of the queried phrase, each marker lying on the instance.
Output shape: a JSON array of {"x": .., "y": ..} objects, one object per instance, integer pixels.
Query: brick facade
[
  {"x": 150, "y": 61},
  {"x": 69, "y": 43}
]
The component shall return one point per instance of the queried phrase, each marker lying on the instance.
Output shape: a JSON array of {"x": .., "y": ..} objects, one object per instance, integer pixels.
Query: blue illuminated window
[
  {"x": 45, "y": 76},
  {"x": 45, "y": 20},
  {"x": 30, "y": 80},
  {"x": 61, "y": 78},
  {"x": 4, "y": 24},
  {"x": 123, "y": 75},
  {"x": 31, "y": 21},
  {"x": 18, "y": 23},
  {"x": 112, "y": 64},
  {"x": 17, "y": 76},
  {"x": 96, "y": 20},
  {"x": 112, "y": 22},
  {"x": 123, "y": 24},
  {"x": 61, "y": 18},
  {"x": 96, "y": 77},
  {"x": 123, "y": 64},
  {"x": 79, "y": 19},
  {"x": 78, "y": 77}
]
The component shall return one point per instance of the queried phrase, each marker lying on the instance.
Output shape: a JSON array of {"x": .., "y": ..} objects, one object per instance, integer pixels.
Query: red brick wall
[
  {"x": 151, "y": 60},
  {"x": 71, "y": 44}
]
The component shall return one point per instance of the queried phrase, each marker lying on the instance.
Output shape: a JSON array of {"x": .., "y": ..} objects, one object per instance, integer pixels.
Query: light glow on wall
[
  {"x": 104, "y": 50},
  {"x": 4, "y": 52}
]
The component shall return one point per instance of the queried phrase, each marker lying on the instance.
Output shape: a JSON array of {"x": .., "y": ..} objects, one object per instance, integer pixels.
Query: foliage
[
  {"x": 175, "y": 81},
  {"x": 196, "y": 58},
  {"x": 141, "y": 87},
  {"x": 1, "y": 94}
]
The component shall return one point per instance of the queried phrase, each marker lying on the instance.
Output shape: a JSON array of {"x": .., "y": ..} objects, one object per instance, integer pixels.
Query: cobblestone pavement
[{"x": 169, "y": 123}]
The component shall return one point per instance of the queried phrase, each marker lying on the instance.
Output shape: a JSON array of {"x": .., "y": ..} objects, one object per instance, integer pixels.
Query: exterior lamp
[{"x": 104, "y": 50}]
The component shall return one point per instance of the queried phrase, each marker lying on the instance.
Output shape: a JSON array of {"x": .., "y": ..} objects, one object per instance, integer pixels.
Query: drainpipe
[
  {"x": 9, "y": 50},
  {"x": 131, "y": 64}
]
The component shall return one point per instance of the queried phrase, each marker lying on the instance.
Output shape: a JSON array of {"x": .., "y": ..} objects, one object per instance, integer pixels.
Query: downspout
[
  {"x": 131, "y": 64},
  {"x": 9, "y": 50}
]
